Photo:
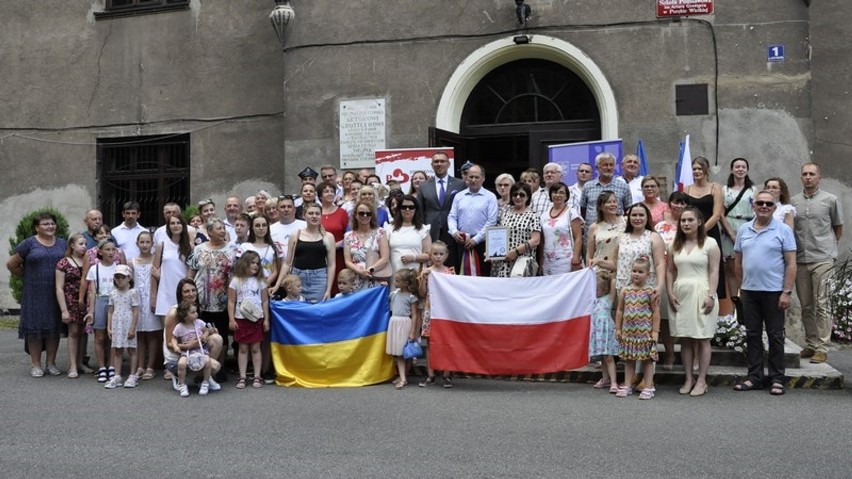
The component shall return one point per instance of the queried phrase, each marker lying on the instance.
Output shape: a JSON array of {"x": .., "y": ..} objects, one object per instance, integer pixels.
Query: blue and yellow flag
[{"x": 337, "y": 343}]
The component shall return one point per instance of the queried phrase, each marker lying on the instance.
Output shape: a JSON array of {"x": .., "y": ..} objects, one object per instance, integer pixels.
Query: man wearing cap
[
  {"x": 435, "y": 196},
  {"x": 126, "y": 233},
  {"x": 464, "y": 169},
  {"x": 308, "y": 175}
]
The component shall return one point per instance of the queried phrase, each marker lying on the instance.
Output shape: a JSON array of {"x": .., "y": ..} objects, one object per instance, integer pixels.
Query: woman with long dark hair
[
  {"x": 706, "y": 196},
  {"x": 693, "y": 268},
  {"x": 408, "y": 237},
  {"x": 524, "y": 232}
]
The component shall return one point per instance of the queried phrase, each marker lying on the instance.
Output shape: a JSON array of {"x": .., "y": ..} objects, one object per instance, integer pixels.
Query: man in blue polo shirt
[{"x": 765, "y": 263}]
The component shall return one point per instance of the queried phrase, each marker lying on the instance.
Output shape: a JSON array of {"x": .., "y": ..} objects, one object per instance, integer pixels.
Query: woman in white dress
[
  {"x": 169, "y": 265},
  {"x": 408, "y": 237},
  {"x": 693, "y": 267}
]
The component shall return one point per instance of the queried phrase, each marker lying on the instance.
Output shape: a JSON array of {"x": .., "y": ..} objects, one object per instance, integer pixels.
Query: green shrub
[
  {"x": 24, "y": 231},
  {"x": 189, "y": 212}
]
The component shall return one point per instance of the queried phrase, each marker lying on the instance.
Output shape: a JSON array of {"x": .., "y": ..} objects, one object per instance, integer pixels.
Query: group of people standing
[{"x": 662, "y": 265}]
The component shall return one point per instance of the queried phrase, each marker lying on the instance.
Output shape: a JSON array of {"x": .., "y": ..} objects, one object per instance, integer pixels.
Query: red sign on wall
[{"x": 681, "y": 8}]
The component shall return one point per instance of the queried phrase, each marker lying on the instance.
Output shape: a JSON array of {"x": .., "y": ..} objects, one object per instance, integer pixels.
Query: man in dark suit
[{"x": 436, "y": 198}]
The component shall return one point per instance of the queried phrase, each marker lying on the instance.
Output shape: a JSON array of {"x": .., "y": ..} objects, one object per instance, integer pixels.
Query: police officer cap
[
  {"x": 466, "y": 166},
  {"x": 308, "y": 172}
]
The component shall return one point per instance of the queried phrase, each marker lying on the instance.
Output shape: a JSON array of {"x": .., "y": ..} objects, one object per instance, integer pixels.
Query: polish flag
[
  {"x": 684, "y": 166},
  {"x": 503, "y": 326}
]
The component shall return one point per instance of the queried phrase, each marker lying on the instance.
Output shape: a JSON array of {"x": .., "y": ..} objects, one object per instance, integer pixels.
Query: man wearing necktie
[{"x": 436, "y": 198}]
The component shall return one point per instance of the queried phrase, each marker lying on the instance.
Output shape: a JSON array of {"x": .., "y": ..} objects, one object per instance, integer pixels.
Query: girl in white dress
[{"x": 150, "y": 327}]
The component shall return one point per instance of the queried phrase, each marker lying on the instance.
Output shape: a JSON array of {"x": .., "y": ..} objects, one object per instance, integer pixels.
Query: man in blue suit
[{"x": 436, "y": 198}]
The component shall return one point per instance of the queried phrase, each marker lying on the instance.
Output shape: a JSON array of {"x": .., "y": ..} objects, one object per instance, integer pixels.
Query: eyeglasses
[
  {"x": 407, "y": 207},
  {"x": 768, "y": 204},
  {"x": 519, "y": 195},
  {"x": 365, "y": 214}
]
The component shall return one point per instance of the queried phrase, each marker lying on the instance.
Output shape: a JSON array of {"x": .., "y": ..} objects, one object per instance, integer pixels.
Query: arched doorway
[{"x": 506, "y": 103}]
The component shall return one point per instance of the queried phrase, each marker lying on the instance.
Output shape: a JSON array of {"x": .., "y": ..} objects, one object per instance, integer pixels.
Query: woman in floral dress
[
  {"x": 524, "y": 230},
  {"x": 211, "y": 265},
  {"x": 562, "y": 229},
  {"x": 365, "y": 246}
]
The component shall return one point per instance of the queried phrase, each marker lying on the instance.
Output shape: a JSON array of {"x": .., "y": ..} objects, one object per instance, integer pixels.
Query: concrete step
[{"x": 803, "y": 375}]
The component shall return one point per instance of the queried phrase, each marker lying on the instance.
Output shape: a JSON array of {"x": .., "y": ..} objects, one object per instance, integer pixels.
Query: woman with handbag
[
  {"x": 248, "y": 314},
  {"x": 738, "y": 194},
  {"x": 365, "y": 248},
  {"x": 524, "y": 234}
]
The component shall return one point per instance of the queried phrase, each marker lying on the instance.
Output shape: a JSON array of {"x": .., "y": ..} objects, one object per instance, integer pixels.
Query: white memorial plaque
[{"x": 362, "y": 132}]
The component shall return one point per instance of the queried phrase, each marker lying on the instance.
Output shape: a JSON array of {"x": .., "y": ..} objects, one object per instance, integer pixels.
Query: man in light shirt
[
  {"x": 474, "y": 209},
  {"x": 126, "y": 233}
]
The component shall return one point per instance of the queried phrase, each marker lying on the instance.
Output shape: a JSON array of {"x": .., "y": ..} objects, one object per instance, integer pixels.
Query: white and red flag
[{"x": 500, "y": 326}]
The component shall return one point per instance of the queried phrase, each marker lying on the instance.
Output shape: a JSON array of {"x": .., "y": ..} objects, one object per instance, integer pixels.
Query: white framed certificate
[{"x": 496, "y": 242}]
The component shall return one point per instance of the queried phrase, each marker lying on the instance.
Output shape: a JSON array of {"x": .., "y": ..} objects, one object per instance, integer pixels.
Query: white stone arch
[{"x": 488, "y": 57}]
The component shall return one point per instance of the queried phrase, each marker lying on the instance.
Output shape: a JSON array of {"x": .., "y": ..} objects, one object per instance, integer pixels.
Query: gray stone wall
[{"x": 214, "y": 70}]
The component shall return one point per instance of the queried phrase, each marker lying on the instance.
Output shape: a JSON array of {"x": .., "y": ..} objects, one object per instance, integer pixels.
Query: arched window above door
[{"x": 530, "y": 91}]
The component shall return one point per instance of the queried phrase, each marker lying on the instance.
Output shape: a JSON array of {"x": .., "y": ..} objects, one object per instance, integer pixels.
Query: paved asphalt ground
[{"x": 57, "y": 427}]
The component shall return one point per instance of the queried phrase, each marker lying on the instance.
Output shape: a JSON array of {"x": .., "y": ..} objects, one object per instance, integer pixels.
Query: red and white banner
[
  {"x": 501, "y": 326},
  {"x": 400, "y": 163}
]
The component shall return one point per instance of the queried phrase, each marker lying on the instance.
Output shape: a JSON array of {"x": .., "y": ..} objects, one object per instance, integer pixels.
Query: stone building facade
[{"x": 199, "y": 99}]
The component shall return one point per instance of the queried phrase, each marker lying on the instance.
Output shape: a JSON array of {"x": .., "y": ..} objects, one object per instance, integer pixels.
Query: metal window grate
[{"x": 150, "y": 170}]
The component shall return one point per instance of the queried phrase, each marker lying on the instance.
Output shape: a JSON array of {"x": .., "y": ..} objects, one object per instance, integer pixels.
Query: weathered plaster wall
[
  {"x": 762, "y": 105},
  {"x": 214, "y": 70}
]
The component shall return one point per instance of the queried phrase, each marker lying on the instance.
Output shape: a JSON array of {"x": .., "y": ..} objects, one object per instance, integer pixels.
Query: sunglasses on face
[
  {"x": 365, "y": 214},
  {"x": 520, "y": 195},
  {"x": 407, "y": 207},
  {"x": 768, "y": 204}
]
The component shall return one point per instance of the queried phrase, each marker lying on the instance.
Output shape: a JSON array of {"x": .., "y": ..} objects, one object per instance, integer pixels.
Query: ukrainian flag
[{"x": 336, "y": 343}]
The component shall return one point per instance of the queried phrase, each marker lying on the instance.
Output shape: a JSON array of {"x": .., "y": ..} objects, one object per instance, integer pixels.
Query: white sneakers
[{"x": 184, "y": 390}]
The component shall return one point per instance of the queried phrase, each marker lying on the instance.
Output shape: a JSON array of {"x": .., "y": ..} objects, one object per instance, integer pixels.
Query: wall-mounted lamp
[
  {"x": 280, "y": 16},
  {"x": 523, "y": 12}
]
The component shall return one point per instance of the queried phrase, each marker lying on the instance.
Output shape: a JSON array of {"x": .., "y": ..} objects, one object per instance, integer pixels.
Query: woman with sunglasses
[
  {"x": 408, "y": 237},
  {"x": 365, "y": 246},
  {"x": 524, "y": 232}
]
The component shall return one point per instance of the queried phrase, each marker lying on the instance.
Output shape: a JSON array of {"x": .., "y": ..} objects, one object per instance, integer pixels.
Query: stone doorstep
[{"x": 805, "y": 376}]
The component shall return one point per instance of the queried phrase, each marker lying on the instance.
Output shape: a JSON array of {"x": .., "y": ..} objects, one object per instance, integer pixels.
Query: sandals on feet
[
  {"x": 624, "y": 391},
  {"x": 613, "y": 388},
  {"x": 73, "y": 374},
  {"x": 647, "y": 393},
  {"x": 602, "y": 383},
  {"x": 257, "y": 383},
  {"x": 149, "y": 374},
  {"x": 102, "y": 375},
  {"x": 241, "y": 383},
  {"x": 401, "y": 385},
  {"x": 777, "y": 389},
  {"x": 747, "y": 385}
]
